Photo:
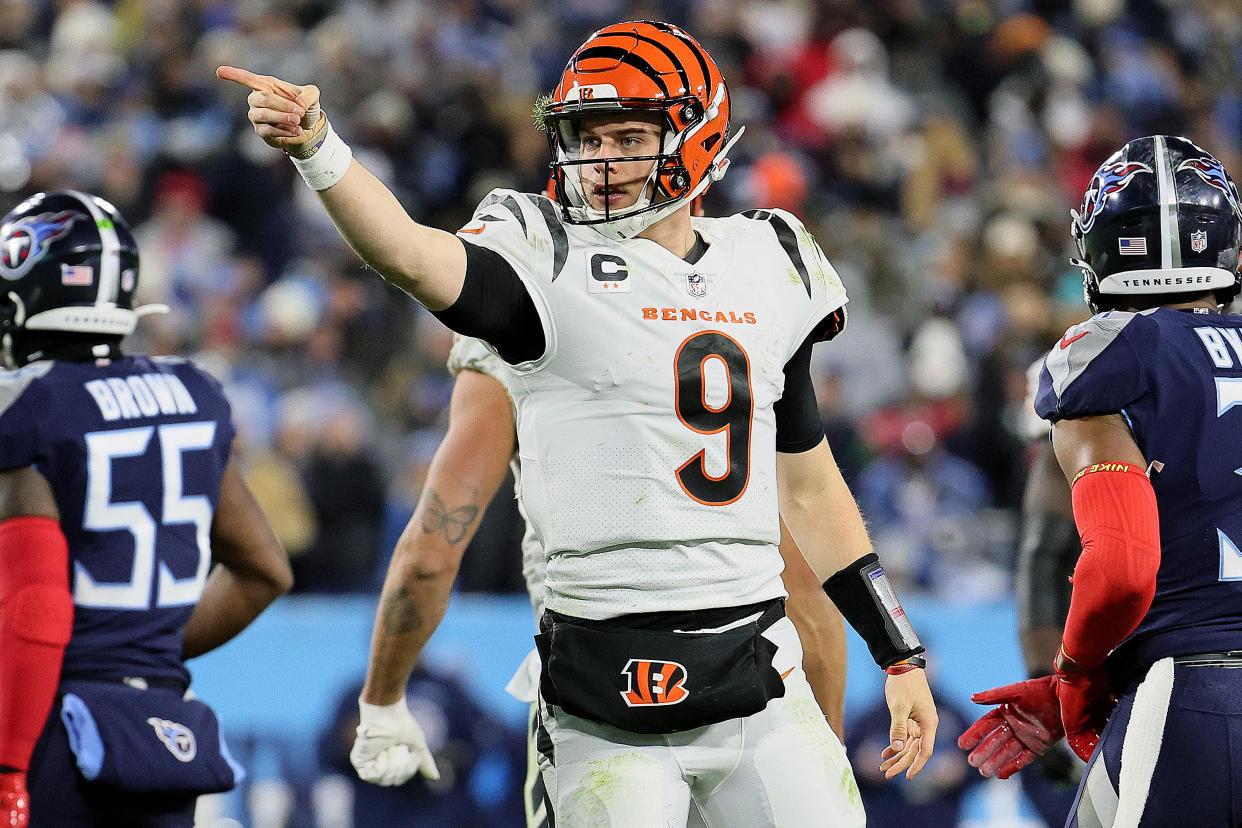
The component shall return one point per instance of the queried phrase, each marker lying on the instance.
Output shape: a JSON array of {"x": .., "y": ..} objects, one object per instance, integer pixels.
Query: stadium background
[{"x": 933, "y": 146}]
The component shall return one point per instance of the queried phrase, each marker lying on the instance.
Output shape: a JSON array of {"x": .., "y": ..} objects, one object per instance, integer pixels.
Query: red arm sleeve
[
  {"x": 36, "y": 621},
  {"x": 1115, "y": 579}
]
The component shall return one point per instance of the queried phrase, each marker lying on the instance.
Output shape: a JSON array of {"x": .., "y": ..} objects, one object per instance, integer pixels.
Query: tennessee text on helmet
[
  {"x": 69, "y": 264},
  {"x": 640, "y": 68},
  {"x": 1161, "y": 216}
]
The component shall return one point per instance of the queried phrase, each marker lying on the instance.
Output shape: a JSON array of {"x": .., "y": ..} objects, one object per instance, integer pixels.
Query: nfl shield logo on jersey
[
  {"x": 1198, "y": 241},
  {"x": 696, "y": 283}
]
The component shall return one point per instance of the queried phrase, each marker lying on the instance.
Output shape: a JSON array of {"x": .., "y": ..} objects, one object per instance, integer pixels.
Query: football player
[
  {"x": 663, "y": 405},
  {"x": 465, "y": 473},
  {"x": 1147, "y": 684},
  {"x": 119, "y": 490}
]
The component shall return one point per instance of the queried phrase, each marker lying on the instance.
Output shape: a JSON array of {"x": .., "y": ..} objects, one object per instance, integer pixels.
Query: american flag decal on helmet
[{"x": 77, "y": 275}]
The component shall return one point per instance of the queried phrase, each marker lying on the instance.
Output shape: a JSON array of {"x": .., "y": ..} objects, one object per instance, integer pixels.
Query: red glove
[
  {"x": 1087, "y": 700},
  {"x": 1008, "y": 738},
  {"x": 14, "y": 801}
]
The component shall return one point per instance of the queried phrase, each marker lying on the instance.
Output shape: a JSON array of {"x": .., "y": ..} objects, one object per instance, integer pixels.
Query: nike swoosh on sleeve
[
  {"x": 1067, "y": 341},
  {"x": 474, "y": 231}
]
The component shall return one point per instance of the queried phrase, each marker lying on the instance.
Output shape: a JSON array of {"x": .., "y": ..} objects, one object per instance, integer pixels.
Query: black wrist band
[{"x": 862, "y": 592}]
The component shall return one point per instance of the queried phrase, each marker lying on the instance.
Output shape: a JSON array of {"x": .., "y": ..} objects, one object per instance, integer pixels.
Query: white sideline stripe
[
  {"x": 536, "y": 814},
  {"x": 1099, "y": 802},
  {"x": 1141, "y": 747}
]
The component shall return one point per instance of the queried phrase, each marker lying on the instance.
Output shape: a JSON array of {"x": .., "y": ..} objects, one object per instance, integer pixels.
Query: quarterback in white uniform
[
  {"x": 462, "y": 479},
  {"x": 663, "y": 413}
]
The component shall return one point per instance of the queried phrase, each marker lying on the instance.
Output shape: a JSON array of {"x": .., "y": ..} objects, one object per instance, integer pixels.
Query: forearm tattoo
[
  {"x": 452, "y": 523},
  {"x": 400, "y": 614}
]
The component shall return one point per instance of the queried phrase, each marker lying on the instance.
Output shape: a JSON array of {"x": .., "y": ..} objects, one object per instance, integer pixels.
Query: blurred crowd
[{"x": 934, "y": 148}]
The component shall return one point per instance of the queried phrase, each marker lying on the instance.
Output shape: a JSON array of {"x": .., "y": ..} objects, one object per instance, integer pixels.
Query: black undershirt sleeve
[
  {"x": 496, "y": 307},
  {"x": 798, "y": 426}
]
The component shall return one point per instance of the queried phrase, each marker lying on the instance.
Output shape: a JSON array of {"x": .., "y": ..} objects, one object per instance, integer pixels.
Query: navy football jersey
[
  {"x": 1176, "y": 377},
  {"x": 134, "y": 450}
]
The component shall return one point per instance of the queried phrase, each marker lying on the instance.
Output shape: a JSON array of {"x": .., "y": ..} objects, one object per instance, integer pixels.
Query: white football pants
[{"x": 780, "y": 767}]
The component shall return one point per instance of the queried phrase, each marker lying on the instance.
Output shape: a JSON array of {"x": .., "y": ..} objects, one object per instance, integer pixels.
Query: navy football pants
[{"x": 1171, "y": 754}]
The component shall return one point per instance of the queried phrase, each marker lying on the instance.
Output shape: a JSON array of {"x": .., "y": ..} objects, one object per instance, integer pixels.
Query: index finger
[
  {"x": 925, "y": 750},
  {"x": 259, "y": 83},
  {"x": 896, "y": 761}
]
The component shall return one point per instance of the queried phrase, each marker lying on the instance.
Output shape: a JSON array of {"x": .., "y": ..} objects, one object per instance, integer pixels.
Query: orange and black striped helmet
[{"x": 648, "y": 67}]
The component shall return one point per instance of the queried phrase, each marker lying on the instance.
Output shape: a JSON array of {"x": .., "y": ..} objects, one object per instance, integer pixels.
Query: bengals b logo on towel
[{"x": 654, "y": 682}]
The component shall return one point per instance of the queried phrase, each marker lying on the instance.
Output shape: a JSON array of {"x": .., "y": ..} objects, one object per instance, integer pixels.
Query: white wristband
[
  {"x": 329, "y": 163},
  {"x": 383, "y": 715}
]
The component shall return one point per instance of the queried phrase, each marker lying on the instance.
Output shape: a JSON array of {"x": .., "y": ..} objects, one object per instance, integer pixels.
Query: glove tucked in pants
[{"x": 1180, "y": 727}]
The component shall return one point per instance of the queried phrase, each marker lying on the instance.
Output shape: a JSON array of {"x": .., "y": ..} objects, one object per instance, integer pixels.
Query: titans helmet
[
  {"x": 1161, "y": 216},
  {"x": 69, "y": 264}
]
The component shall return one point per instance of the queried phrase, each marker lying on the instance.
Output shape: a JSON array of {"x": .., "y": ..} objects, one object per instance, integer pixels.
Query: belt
[
  {"x": 1229, "y": 658},
  {"x": 137, "y": 682},
  {"x": 166, "y": 682}
]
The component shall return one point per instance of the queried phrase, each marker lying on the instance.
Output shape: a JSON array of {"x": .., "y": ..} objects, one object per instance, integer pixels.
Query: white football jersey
[
  {"x": 470, "y": 354},
  {"x": 646, "y": 430}
]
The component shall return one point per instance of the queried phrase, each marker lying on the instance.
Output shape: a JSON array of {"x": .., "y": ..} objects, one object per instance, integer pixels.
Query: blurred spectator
[
  {"x": 921, "y": 502},
  {"x": 185, "y": 257},
  {"x": 346, "y": 489},
  {"x": 858, "y": 95}
]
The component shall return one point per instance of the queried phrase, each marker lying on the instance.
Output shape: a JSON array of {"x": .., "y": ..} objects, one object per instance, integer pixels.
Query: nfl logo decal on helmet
[{"x": 1161, "y": 216}]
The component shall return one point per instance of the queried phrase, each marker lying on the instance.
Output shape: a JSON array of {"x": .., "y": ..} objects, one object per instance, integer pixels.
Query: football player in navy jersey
[
  {"x": 1143, "y": 399},
  {"x": 119, "y": 491}
]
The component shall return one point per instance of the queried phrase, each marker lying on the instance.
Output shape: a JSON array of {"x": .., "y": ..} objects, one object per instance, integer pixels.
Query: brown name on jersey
[{"x": 696, "y": 315}]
